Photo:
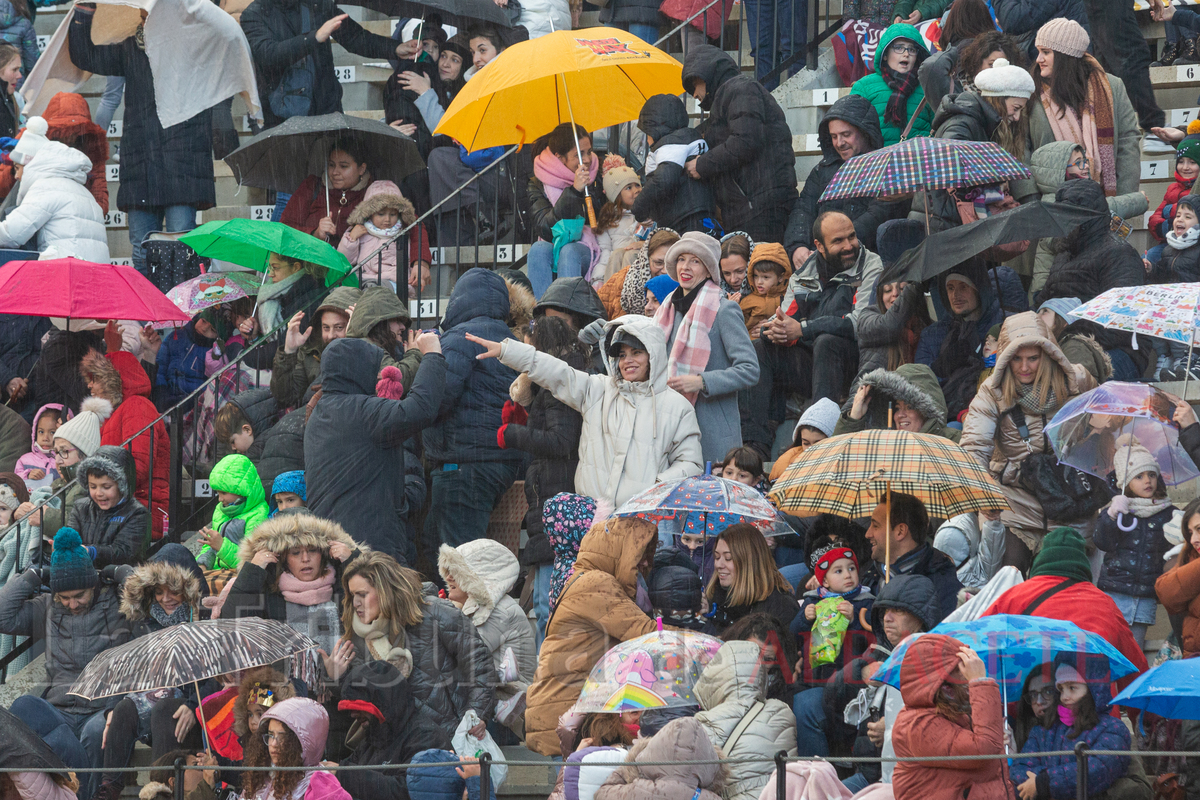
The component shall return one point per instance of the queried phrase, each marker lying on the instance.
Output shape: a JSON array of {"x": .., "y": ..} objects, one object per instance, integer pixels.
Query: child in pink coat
[
  {"x": 37, "y": 467},
  {"x": 382, "y": 214}
]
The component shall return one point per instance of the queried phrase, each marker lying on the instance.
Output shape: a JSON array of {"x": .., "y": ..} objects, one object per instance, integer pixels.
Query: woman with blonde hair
[
  {"x": 745, "y": 580},
  {"x": 426, "y": 638},
  {"x": 1031, "y": 381}
]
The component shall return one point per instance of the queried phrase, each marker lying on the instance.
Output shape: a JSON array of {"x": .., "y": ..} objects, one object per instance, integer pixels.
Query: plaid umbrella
[
  {"x": 923, "y": 164},
  {"x": 849, "y": 475},
  {"x": 188, "y": 653}
]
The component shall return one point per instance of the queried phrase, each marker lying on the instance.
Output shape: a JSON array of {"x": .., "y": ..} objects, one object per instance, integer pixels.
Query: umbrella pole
[
  {"x": 1187, "y": 368},
  {"x": 926, "y": 193},
  {"x": 254, "y": 311},
  {"x": 887, "y": 538},
  {"x": 203, "y": 721},
  {"x": 587, "y": 195}
]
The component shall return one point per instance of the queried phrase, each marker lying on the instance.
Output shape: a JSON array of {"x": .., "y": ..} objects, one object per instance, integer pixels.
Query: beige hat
[
  {"x": 701, "y": 245},
  {"x": 1132, "y": 459},
  {"x": 1064, "y": 36}
]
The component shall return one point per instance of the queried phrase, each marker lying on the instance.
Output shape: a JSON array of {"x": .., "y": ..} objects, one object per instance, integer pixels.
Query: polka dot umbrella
[{"x": 705, "y": 504}]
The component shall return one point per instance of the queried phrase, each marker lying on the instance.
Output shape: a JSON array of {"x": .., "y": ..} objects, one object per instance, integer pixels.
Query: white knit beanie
[
  {"x": 8, "y": 498},
  {"x": 1004, "y": 80},
  {"x": 83, "y": 430},
  {"x": 1132, "y": 459},
  {"x": 31, "y": 141},
  {"x": 821, "y": 415}
]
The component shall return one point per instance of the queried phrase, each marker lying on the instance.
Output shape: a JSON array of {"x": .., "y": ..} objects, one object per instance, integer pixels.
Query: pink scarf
[
  {"x": 555, "y": 178},
  {"x": 691, "y": 348},
  {"x": 1066, "y": 716},
  {"x": 307, "y": 593},
  {"x": 1095, "y": 131}
]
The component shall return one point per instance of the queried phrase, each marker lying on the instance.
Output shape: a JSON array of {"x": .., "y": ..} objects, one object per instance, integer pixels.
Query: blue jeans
[
  {"x": 810, "y": 723},
  {"x": 114, "y": 90},
  {"x": 1123, "y": 367},
  {"x": 856, "y": 783},
  {"x": 145, "y": 221},
  {"x": 647, "y": 33},
  {"x": 770, "y": 20},
  {"x": 281, "y": 201},
  {"x": 541, "y": 600},
  {"x": 75, "y": 738},
  {"x": 573, "y": 261},
  {"x": 461, "y": 499}
]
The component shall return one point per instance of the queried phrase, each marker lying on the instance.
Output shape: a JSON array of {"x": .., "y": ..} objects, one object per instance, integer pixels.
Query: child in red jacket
[{"x": 1187, "y": 168}]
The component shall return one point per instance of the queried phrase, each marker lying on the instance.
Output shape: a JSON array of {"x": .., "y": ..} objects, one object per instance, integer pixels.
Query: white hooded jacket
[
  {"x": 635, "y": 435},
  {"x": 54, "y": 205}
]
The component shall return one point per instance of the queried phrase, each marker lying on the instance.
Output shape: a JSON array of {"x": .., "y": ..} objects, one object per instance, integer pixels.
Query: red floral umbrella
[{"x": 75, "y": 289}]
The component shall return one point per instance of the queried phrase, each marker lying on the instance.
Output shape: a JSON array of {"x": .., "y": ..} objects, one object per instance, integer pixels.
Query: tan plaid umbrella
[{"x": 850, "y": 475}]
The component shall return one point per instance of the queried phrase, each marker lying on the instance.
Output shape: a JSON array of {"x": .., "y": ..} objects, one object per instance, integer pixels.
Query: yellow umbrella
[{"x": 594, "y": 77}]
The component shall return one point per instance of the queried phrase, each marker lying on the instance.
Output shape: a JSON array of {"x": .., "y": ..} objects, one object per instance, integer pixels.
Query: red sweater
[
  {"x": 306, "y": 208},
  {"x": 1166, "y": 209}
]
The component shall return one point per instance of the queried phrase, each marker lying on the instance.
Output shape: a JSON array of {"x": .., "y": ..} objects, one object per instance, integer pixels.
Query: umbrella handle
[
  {"x": 591, "y": 212},
  {"x": 203, "y": 722}
]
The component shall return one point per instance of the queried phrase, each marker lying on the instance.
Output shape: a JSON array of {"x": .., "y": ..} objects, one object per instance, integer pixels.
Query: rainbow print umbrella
[{"x": 657, "y": 670}]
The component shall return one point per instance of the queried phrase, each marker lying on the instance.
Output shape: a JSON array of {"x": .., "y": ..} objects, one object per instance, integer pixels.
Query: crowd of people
[{"x": 712, "y": 317}]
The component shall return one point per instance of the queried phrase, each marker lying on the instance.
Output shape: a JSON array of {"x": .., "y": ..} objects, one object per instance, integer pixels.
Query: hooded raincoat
[
  {"x": 120, "y": 534},
  {"x": 875, "y": 88},
  {"x": 915, "y": 385},
  {"x": 234, "y": 474},
  {"x": 309, "y": 721},
  {"x": 635, "y": 435},
  {"x": 670, "y": 196},
  {"x": 55, "y": 208}
]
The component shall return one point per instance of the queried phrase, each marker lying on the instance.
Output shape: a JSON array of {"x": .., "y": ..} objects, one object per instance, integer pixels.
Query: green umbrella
[{"x": 248, "y": 242}]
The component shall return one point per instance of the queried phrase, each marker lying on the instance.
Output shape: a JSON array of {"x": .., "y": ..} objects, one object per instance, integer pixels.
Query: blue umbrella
[
  {"x": 1012, "y": 646},
  {"x": 705, "y": 505},
  {"x": 1170, "y": 690}
]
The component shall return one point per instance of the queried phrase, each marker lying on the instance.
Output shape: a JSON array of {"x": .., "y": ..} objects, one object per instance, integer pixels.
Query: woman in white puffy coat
[
  {"x": 733, "y": 687},
  {"x": 478, "y": 576},
  {"x": 635, "y": 433},
  {"x": 54, "y": 206}
]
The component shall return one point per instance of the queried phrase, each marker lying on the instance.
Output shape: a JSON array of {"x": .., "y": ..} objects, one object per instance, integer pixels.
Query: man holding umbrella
[{"x": 292, "y": 45}]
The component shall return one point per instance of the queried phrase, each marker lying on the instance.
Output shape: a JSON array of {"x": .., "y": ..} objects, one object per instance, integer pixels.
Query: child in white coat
[
  {"x": 637, "y": 432},
  {"x": 616, "y": 227}
]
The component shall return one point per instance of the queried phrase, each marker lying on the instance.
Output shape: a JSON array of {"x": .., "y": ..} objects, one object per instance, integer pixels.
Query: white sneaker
[{"x": 508, "y": 667}]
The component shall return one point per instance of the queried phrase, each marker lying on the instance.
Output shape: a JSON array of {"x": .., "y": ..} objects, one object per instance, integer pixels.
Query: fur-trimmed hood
[
  {"x": 115, "y": 462},
  {"x": 381, "y": 195},
  {"x": 682, "y": 739},
  {"x": 915, "y": 384},
  {"x": 282, "y": 533},
  {"x": 154, "y": 790},
  {"x": 520, "y": 306},
  {"x": 97, "y": 368},
  {"x": 281, "y": 688},
  {"x": 137, "y": 594},
  {"x": 485, "y": 569}
]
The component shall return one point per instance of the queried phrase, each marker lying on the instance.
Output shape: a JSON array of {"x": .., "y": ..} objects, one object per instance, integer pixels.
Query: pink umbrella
[{"x": 75, "y": 289}]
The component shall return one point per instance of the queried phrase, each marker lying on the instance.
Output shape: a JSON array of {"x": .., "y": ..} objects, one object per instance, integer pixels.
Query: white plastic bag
[{"x": 467, "y": 746}]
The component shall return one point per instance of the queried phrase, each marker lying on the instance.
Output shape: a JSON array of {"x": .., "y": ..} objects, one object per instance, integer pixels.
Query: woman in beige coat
[{"x": 1031, "y": 372}]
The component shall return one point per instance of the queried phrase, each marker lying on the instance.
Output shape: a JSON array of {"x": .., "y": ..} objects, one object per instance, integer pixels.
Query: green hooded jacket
[
  {"x": 916, "y": 385},
  {"x": 379, "y": 304},
  {"x": 875, "y": 88},
  {"x": 236, "y": 474}
]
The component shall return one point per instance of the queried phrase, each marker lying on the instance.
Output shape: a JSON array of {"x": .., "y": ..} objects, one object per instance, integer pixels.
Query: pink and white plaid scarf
[{"x": 691, "y": 349}]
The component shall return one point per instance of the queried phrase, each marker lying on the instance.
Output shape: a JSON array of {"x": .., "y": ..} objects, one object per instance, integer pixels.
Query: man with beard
[{"x": 809, "y": 345}]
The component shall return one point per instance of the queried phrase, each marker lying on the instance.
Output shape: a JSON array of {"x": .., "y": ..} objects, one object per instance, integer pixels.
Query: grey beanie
[{"x": 701, "y": 245}]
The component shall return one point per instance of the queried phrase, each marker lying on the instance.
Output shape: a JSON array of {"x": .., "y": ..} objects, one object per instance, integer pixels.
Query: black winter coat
[
  {"x": 826, "y": 311},
  {"x": 1133, "y": 559},
  {"x": 20, "y": 345},
  {"x": 750, "y": 163},
  {"x": 868, "y": 213},
  {"x": 466, "y": 424},
  {"x": 779, "y": 604},
  {"x": 262, "y": 411},
  {"x": 277, "y": 42},
  {"x": 159, "y": 167},
  {"x": 1022, "y": 19},
  {"x": 1178, "y": 266},
  {"x": 624, "y": 12},
  {"x": 401, "y": 735},
  {"x": 551, "y": 437},
  {"x": 56, "y": 377},
  {"x": 670, "y": 196},
  {"x": 1093, "y": 262},
  {"x": 282, "y": 449},
  {"x": 938, "y": 74},
  {"x": 924, "y": 561},
  {"x": 354, "y": 442},
  {"x": 543, "y": 214},
  {"x": 121, "y": 534}
]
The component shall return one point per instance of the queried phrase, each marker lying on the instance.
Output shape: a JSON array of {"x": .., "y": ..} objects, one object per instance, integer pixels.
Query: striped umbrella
[
  {"x": 923, "y": 164},
  {"x": 188, "y": 653},
  {"x": 850, "y": 475}
]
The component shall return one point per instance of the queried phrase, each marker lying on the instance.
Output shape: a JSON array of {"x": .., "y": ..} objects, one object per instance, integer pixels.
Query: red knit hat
[{"x": 824, "y": 557}]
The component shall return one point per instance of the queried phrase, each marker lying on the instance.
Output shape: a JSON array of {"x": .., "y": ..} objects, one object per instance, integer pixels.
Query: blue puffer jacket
[
  {"x": 440, "y": 783},
  {"x": 180, "y": 364},
  {"x": 1056, "y": 775},
  {"x": 466, "y": 424}
]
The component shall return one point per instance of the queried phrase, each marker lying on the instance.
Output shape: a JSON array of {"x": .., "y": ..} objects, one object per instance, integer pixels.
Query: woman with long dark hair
[
  {"x": 964, "y": 22},
  {"x": 1075, "y": 100},
  {"x": 953, "y": 70}
]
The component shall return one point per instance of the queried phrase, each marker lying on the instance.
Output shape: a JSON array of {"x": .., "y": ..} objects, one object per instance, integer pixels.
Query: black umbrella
[
  {"x": 941, "y": 251},
  {"x": 20, "y": 747},
  {"x": 282, "y": 157},
  {"x": 459, "y": 13}
]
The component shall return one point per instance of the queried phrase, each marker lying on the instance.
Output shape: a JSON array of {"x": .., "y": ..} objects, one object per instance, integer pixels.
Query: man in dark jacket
[
  {"x": 166, "y": 173},
  {"x": 354, "y": 442},
  {"x": 299, "y": 34},
  {"x": 809, "y": 345},
  {"x": 282, "y": 449},
  {"x": 470, "y": 469},
  {"x": 670, "y": 196},
  {"x": 392, "y": 731},
  {"x": 849, "y": 128},
  {"x": 905, "y": 549},
  {"x": 298, "y": 362},
  {"x": 1093, "y": 262},
  {"x": 80, "y": 619},
  {"x": 750, "y": 163},
  {"x": 20, "y": 346}
]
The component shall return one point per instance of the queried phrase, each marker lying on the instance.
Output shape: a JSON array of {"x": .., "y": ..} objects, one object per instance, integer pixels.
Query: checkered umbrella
[
  {"x": 923, "y": 164},
  {"x": 849, "y": 475}
]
